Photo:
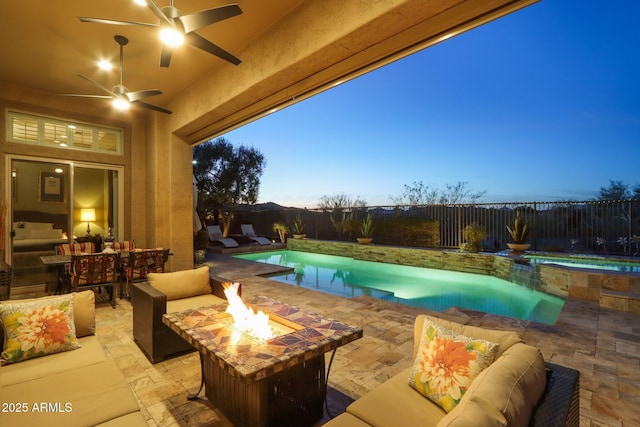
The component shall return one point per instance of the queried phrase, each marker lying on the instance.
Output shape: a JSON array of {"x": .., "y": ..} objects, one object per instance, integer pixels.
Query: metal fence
[{"x": 605, "y": 227}]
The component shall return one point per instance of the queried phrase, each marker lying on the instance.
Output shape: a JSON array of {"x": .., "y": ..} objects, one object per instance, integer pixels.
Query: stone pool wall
[
  {"x": 481, "y": 263},
  {"x": 618, "y": 291}
]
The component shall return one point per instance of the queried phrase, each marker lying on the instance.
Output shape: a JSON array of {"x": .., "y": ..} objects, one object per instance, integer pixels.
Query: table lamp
[{"x": 88, "y": 215}]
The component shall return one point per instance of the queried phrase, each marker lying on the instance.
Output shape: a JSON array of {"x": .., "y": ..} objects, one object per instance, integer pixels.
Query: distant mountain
[{"x": 269, "y": 206}]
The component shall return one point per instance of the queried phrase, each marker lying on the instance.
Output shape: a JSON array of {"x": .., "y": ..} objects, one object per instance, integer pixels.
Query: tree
[
  {"x": 342, "y": 221},
  {"x": 616, "y": 190},
  {"x": 340, "y": 201},
  {"x": 227, "y": 176},
  {"x": 419, "y": 193}
]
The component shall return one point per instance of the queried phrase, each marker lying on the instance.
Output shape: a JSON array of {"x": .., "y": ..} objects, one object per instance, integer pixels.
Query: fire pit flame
[{"x": 244, "y": 318}]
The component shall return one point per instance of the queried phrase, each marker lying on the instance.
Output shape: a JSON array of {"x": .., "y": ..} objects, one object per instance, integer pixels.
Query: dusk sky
[{"x": 543, "y": 104}]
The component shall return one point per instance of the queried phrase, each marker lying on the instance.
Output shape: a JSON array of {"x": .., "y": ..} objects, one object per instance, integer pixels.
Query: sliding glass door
[{"x": 55, "y": 202}]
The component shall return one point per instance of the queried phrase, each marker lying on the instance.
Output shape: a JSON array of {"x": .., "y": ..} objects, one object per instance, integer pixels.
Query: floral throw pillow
[
  {"x": 37, "y": 328},
  {"x": 447, "y": 363}
]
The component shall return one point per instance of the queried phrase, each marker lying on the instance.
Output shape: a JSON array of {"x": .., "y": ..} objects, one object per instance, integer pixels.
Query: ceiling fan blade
[
  {"x": 204, "y": 44},
  {"x": 152, "y": 107},
  {"x": 87, "y": 96},
  {"x": 158, "y": 12},
  {"x": 97, "y": 84},
  {"x": 165, "y": 56},
  {"x": 114, "y": 22},
  {"x": 196, "y": 20},
  {"x": 141, "y": 94}
]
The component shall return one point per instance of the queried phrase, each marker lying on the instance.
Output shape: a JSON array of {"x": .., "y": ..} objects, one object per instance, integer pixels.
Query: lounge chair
[
  {"x": 247, "y": 230},
  {"x": 215, "y": 235}
]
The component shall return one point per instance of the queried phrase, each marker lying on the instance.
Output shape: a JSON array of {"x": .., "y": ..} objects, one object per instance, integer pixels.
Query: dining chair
[
  {"x": 141, "y": 262},
  {"x": 91, "y": 271},
  {"x": 64, "y": 273}
]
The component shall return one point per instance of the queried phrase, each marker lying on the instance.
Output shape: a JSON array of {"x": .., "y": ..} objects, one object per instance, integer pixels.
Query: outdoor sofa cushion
[
  {"x": 181, "y": 284},
  {"x": 505, "y": 393},
  {"x": 37, "y": 328}
]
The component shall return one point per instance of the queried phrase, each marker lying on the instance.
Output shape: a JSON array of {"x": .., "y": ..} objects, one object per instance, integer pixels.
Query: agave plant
[
  {"x": 367, "y": 228},
  {"x": 519, "y": 230},
  {"x": 298, "y": 226}
]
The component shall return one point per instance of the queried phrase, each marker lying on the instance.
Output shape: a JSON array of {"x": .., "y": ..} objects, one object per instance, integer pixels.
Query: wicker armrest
[
  {"x": 149, "y": 305},
  {"x": 560, "y": 403},
  {"x": 154, "y": 338}
]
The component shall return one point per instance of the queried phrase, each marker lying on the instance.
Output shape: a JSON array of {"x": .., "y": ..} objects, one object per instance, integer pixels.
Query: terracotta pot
[
  {"x": 519, "y": 247},
  {"x": 364, "y": 240}
]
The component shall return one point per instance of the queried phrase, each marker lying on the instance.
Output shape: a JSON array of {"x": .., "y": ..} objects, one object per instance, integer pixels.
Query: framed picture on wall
[{"x": 51, "y": 187}]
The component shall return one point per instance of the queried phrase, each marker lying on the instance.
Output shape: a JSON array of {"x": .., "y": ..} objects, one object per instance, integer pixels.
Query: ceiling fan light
[
  {"x": 121, "y": 104},
  {"x": 140, "y": 2},
  {"x": 105, "y": 65},
  {"x": 171, "y": 37}
]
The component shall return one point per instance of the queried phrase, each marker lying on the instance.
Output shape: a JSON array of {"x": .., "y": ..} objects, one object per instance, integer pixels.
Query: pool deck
[{"x": 603, "y": 344}]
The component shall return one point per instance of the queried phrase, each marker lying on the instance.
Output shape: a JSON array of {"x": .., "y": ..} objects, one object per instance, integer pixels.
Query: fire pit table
[{"x": 274, "y": 382}]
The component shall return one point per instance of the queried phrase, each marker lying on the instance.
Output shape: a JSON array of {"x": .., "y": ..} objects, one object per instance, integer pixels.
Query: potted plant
[
  {"x": 298, "y": 228},
  {"x": 519, "y": 233},
  {"x": 281, "y": 229},
  {"x": 473, "y": 234},
  {"x": 366, "y": 231}
]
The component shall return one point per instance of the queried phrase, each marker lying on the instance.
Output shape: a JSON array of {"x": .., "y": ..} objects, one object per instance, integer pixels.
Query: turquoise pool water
[
  {"x": 427, "y": 288},
  {"x": 598, "y": 263}
]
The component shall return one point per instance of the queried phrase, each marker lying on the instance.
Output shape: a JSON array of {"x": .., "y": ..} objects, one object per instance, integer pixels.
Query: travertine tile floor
[{"x": 603, "y": 344}]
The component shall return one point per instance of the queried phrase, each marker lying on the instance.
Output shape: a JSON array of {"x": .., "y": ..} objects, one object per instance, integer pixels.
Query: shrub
[{"x": 417, "y": 232}]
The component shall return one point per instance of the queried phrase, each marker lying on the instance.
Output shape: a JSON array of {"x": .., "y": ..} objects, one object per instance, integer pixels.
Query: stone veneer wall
[
  {"x": 618, "y": 291},
  {"x": 486, "y": 264}
]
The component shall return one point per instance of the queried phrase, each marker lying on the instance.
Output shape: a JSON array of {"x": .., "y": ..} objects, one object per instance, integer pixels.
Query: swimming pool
[
  {"x": 592, "y": 262},
  {"x": 427, "y": 288}
]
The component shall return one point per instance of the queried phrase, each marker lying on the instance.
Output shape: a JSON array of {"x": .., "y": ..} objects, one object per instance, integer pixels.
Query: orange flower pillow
[
  {"x": 447, "y": 363},
  {"x": 38, "y": 327}
]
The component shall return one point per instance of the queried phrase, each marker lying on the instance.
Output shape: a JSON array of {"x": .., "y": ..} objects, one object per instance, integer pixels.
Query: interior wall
[
  {"x": 84, "y": 111},
  {"x": 89, "y": 192}
]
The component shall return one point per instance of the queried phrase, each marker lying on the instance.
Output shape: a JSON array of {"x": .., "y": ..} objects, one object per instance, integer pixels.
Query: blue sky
[{"x": 543, "y": 104}]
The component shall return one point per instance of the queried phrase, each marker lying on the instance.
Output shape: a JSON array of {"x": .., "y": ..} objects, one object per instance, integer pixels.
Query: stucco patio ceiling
[{"x": 290, "y": 50}]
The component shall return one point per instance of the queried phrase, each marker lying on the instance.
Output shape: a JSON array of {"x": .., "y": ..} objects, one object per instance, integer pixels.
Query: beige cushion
[
  {"x": 184, "y": 304},
  {"x": 505, "y": 393},
  {"x": 37, "y": 328},
  {"x": 96, "y": 394},
  {"x": 345, "y": 420},
  {"x": 89, "y": 353},
  {"x": 181, "y": 284},
  {"x": 447, "y": 363},
  {"x": 84, "y": 313},
  {"x": 394, "y": 404},
  {"x": 504, "y": 339}
]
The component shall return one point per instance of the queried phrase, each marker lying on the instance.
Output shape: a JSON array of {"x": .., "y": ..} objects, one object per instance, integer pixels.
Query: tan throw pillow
[
  {"x": 447, "y": 363},
  {"x": 84, "y": 313},
  {"x": 37, "y": 328},
  {"x": 181, "y": 284}
]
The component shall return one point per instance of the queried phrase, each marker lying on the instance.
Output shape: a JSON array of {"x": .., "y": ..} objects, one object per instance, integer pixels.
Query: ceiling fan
[
  {"x": 120, "y": 95},
  {"x": 176, "y": 27}
]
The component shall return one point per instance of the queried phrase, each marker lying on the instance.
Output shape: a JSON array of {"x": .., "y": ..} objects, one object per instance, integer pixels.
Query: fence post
[{"x": 535, "y": 228}]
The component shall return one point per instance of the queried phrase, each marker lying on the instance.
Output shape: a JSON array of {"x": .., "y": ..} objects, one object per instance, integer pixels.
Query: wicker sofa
[
  {"x": 78, "y": 387},
  {"x": 518, "y": 389},
  {"x": 167, "y": 293}
]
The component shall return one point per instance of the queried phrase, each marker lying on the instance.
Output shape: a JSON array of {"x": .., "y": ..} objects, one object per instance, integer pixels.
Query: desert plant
[
  {"x": 298, "y": 225},
  {"x": 281, "y": 229},
  {"x": 367, "y": 228},
  {"x": 519, "y": 230},
  {"x": 473, "y": 234}
]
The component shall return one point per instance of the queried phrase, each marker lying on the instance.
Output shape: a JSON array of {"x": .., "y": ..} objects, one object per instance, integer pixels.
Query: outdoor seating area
[{"x": 386, "y": 349}]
